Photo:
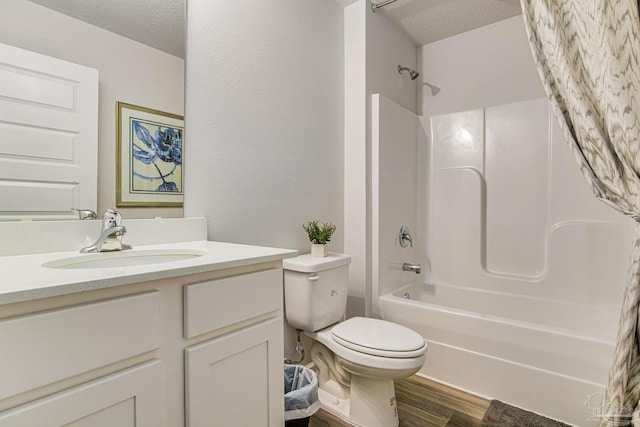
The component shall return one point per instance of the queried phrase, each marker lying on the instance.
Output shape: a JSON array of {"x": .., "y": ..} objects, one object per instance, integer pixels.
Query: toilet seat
[
  {"x": 325, "y": 337},
  {"x": 377, "y": 337}
]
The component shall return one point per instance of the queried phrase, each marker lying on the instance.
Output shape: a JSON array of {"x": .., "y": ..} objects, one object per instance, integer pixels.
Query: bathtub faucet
[
  {"x": 405, "y": 237},
  {"x": 412, "y": 267}
]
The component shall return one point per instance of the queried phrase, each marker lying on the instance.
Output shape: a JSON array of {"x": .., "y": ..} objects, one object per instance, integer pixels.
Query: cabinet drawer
[
  {"x": 219, "y": 303},
  {"x": 43, "y": 348}
]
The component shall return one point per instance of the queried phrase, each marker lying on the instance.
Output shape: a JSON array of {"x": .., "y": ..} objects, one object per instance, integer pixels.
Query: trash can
[{"x": 300, "y": 395}]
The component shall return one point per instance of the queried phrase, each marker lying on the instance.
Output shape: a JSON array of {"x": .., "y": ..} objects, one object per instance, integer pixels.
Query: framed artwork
[{"x": 150, "y": 148}]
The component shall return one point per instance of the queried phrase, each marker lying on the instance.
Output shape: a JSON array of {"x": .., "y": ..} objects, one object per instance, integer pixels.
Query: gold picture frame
[{"x": 150, "y": 154}]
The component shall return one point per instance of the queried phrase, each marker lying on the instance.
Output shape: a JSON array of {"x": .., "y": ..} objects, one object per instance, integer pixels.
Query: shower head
[
  {"x": 434, "y": 89},
  {"x": 412, "y": 73}
]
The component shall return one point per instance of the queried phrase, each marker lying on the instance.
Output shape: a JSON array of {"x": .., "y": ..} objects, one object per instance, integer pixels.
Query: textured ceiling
[
  {"x": 160, "y": 23},
  {"x": 156, "y": 23},
  {"x": 427, "y": 21}
]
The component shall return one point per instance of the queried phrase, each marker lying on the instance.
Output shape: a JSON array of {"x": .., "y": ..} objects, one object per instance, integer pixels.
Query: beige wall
[{"x": 129, "y": 72}]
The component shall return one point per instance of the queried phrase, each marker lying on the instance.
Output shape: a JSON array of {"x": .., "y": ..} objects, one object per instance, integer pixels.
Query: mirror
[{"x": 136, "y": 46}]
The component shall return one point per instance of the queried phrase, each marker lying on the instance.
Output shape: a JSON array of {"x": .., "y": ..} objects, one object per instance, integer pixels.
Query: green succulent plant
[{"x": 319, "y": 234}]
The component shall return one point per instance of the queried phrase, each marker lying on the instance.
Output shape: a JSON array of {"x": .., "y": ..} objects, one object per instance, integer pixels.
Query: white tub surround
[
  {"x": 528, "y": 267},
  {"x": 139, "y": 343}
]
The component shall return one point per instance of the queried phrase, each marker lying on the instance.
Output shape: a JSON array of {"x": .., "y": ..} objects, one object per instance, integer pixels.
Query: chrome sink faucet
[
  {"x": 85, "y": 213},
  {"x": 111, "y": 235}
]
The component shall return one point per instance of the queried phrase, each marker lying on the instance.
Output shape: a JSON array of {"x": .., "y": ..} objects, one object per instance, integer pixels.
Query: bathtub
[{"x": 529, "y": 352}]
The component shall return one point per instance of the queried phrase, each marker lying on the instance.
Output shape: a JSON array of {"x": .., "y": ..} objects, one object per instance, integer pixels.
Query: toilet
[{"x": 357, "y": 359}]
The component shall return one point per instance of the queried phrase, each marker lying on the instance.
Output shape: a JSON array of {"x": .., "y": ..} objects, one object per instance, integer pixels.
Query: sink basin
[{"x": 125, "y": 258}]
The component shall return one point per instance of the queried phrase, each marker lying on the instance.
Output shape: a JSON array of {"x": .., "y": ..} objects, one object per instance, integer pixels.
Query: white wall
[
  {"x": 128, "y": 71},
  {"x": 374, "y": 47},
  {"x": 265, "y": 119},
  {"x": 387, "y": 47},
  {"x": 357, "y": 217},
  {"x": 491, "y": 65}
]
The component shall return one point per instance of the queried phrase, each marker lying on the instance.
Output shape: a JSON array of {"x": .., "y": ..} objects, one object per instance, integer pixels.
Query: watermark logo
[{"x": 608, "y": 411}]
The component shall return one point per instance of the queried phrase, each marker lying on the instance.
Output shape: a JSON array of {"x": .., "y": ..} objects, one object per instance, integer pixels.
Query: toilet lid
[{"x": 379, "y": 338}]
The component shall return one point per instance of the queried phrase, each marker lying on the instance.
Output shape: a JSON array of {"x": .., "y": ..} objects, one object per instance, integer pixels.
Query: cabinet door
[
  {"x": 128, "y": 398},
  {"x": 237, "y": 379}
]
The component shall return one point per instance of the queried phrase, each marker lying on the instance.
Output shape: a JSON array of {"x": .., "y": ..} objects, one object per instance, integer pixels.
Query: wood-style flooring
[{"x": 424, "y": 403}]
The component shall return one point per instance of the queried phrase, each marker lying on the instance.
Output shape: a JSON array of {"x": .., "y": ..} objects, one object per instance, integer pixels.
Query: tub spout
[{"x": 412, "y": 267}]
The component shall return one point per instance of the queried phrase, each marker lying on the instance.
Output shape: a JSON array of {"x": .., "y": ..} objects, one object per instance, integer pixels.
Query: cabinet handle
[{"x": 314, "y": 277}]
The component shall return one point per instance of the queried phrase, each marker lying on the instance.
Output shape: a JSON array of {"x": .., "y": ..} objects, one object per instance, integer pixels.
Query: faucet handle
[
  {"x": 111, "y": 218},
  {"x": 85, "y": 213},
  {"x": 405, "y": 237}
]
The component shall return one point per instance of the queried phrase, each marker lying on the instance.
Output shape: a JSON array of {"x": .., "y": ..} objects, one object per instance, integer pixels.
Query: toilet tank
[{"x": 315, "y": 290}]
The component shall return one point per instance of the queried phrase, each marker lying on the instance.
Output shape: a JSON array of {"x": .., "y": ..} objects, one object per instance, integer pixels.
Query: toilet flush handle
[{"x": 314, "y": 277}]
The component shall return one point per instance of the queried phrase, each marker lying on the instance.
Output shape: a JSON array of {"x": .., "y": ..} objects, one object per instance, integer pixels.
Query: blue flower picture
[
  {"x": 150, "y": 157},
  {"x": 156, "y": 155}
]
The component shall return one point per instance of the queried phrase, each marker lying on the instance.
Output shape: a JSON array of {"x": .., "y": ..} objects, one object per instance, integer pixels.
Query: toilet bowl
[
  {"x": 357, "y": 359},
  {"x": 358, "y": 385}
]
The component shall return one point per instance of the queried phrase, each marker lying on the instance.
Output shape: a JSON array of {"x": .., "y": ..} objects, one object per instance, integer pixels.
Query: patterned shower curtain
[{"x": 587, "y": 53}]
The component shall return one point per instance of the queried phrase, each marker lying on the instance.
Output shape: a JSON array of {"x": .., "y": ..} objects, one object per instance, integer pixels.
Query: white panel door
[
  {"x": 49, "y": 128},
  {"x": 237, "y": 379},
  {"x": 128, "y": 398}
]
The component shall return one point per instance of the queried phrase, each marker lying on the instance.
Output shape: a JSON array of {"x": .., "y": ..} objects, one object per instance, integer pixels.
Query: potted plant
[{"x": 319, "y": 236}]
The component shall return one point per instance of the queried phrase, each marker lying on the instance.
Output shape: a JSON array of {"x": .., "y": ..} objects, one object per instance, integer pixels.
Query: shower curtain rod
[{"x": 375, "y": 6}]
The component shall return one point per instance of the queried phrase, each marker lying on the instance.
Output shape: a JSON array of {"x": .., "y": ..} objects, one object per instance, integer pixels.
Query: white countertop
[{"x": 23, "y": 277}]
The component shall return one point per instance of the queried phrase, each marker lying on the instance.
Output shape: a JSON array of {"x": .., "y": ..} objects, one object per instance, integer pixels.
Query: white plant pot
[{"x": 319, "y": 251}]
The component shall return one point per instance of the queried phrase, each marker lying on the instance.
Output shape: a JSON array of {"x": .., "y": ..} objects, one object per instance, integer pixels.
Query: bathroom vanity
[{"x": 195, "y": 341}]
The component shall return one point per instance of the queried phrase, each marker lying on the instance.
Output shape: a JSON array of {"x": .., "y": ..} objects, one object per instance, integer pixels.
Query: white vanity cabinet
[
  {"x": 230, "y": 378},
  {"x": 43, "y": 349},
  {"x": 203, "y": 349}
]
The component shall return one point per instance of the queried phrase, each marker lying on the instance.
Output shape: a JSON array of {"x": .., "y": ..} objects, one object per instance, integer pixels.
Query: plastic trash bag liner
[{"x": 300, "y": 392}]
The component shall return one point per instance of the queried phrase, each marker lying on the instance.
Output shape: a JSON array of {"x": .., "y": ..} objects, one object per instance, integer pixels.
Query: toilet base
[{"x": 371, "y": 403}]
